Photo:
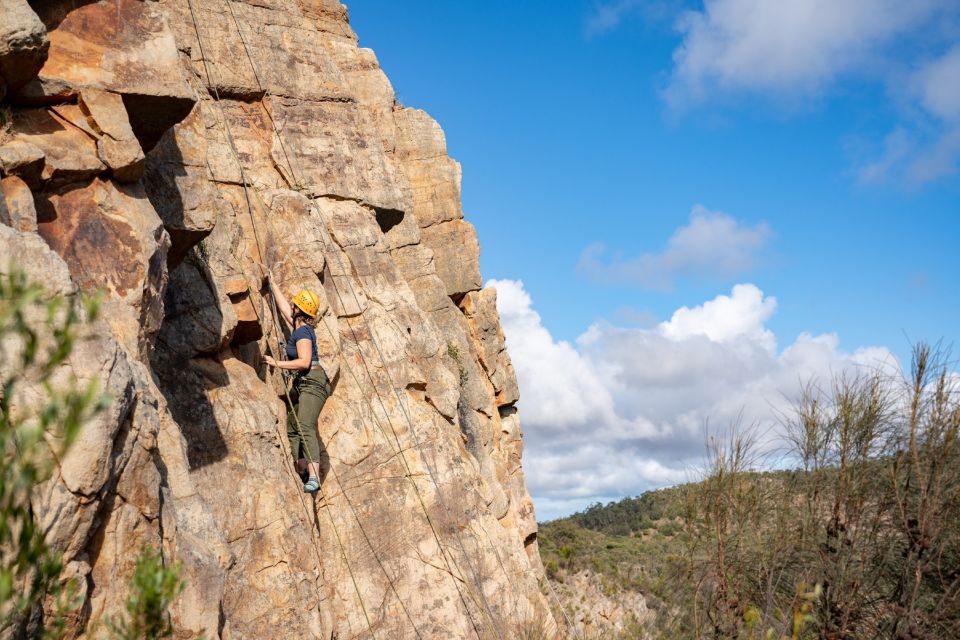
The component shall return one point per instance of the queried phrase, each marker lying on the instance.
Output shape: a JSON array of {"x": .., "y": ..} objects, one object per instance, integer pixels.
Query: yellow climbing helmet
[{"x": 308, "y": 302}]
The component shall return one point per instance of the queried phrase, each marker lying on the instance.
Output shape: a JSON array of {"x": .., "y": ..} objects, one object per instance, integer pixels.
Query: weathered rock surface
[
  {"x": 23, "y": 44},
  {"x": 169, "y": 164},
  {"x": 16, "y": 204},
  {"x": 598, "y": 611}
]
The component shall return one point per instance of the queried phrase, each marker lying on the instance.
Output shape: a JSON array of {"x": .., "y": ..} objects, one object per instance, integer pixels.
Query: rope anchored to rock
[
  {"x": 236, "y": 156},
  {"x": 400, "y": 450}
]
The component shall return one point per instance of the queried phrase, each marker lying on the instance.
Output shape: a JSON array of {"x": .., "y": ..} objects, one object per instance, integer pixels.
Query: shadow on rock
[{"x": 185, "y": 363}]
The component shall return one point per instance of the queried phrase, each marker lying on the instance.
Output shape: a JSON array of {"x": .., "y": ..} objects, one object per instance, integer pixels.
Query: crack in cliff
[{"x": 249, "y": 530}]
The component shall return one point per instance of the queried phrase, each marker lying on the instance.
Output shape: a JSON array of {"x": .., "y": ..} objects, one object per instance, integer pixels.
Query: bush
[
  {"x": 869, "y": 520},
  {"x": 153, "y": 588},
  {"x": 36, "y": 337}
]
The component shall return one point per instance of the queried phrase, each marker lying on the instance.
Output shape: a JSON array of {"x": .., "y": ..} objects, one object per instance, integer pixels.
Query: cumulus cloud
[
  {"x": 623, "y": 409},
  {"x": 790, "y": 46},
  {"x": 711, "y": 244}
]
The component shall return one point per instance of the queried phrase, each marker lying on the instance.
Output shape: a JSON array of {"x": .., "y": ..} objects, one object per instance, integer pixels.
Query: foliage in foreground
[
  {"x": 861, "y": 541},
  {"x": 36, "y": 337},
  {"x": 153, "y": 587}
]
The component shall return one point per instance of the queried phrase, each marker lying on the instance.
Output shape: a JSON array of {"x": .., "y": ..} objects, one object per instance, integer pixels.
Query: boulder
[
  {"x": 117, "y": 146},
  {"x": 122, "y": 46},
  {"x": 69, "y": 152},
  {"x": 23, "y": 159},
  {"x": 23, "y": 45},
  {"x": 177, "y": 181},
  {"x": 480, "y": 310},
  {"x": 456, "y": 252},
  {"x": 17, "y": 209},
  {"x": 113, "y": 241}
]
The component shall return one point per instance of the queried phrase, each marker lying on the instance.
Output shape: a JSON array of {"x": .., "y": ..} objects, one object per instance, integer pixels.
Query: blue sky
[{"x": 818, "y": 146}]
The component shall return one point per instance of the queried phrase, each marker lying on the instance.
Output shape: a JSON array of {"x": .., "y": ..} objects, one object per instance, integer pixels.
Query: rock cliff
[{"x": 163, "y": 152}]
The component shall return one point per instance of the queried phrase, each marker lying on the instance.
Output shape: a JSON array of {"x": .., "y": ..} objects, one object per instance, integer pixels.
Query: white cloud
[
  {"x": 798, "y": 52},
  {"x": 585, "y": 399},
  {"x": 789, "y": 47},
  {"x": 938, "y": 84},
  {"x": 930, "y": 149},
  {"x": 726, "y": 318},
  {"x": 607, "y": 16},
  {"x": 712, "y": 244},
  {"x": 622, "y": 410}
]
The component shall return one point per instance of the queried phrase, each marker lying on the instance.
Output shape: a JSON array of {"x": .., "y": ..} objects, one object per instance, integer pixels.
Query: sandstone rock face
[{"x": 169, "y": 164}]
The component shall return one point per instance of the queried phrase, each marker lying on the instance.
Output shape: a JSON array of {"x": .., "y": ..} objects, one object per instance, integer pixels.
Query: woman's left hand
[{"x": 270, "y": 361}]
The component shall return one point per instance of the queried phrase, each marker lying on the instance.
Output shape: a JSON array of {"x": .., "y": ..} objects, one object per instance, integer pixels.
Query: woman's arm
[
  {"x": 283, "y": 305},
  {"x": 302, "y": 361}
]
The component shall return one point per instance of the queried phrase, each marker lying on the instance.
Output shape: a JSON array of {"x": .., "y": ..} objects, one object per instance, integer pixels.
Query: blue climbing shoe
[{"x": 311, "y": 486}]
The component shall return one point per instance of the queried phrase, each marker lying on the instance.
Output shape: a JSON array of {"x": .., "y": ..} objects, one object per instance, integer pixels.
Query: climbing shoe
[{"x": 312, "y": 486}]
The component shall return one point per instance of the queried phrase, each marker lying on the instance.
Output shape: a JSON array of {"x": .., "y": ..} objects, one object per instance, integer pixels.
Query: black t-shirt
[{"x": 303, "y": 332}]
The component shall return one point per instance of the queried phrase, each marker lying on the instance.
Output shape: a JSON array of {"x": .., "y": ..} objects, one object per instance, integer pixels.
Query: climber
[{"x": 311, "y": 387}]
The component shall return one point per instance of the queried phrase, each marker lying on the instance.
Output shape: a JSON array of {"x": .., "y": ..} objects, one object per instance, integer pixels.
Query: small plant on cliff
[
  {"x": 454, "y": 352},
  {"x": 153, "y": 587},
  {"x": 36, "y": 337}
]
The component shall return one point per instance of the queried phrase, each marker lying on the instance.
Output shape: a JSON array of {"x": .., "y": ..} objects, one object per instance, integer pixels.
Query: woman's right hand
[{"x": 270, "y": 361}]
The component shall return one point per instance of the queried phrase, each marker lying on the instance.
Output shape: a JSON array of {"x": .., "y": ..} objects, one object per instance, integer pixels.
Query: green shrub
[
  {"x": 36, "y": 337},
  {"x": 153, "y": 587}
]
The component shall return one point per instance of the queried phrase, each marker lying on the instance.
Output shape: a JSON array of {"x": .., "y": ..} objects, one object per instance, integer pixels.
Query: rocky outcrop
[
  {"x": 166, "y": 153},
  {"x": 598, "y": 609}
]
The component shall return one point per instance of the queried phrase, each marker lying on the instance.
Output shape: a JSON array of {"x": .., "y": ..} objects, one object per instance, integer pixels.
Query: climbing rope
[
  {"x": 399, "y": 451},
  {"x": 418, "y": 445},
  {"x": 363, "y": 359},
  {"x": 236, "y": 156},
  {"x": 409, "y": 474},
  {"x": 570, "y": 625},
  {"x": 310, "y": 461}
]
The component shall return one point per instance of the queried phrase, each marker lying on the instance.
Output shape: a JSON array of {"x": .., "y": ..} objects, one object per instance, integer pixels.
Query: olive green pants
[{"x": 310, "y": 392}]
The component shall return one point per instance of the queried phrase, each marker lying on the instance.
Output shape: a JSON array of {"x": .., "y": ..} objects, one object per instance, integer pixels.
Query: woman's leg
[
  {"x": 314, "y": 392},
  {"x": 293, "y": 435}
]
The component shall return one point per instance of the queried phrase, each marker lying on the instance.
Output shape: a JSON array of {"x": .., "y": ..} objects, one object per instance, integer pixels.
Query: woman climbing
[{"x": 311, "y": 387}]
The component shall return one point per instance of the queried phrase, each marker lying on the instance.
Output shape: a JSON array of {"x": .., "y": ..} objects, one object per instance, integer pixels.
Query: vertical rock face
[{"x": 165, "y": 153}]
